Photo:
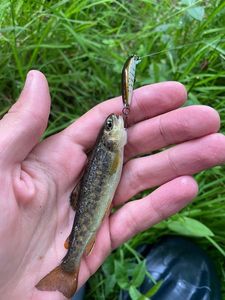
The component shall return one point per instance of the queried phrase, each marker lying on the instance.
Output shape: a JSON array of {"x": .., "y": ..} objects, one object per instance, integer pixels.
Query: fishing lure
[{"x": 128, "y": 78}]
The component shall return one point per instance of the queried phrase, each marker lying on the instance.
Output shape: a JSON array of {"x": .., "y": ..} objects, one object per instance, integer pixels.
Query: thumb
[{"x": 23, "y": 125}]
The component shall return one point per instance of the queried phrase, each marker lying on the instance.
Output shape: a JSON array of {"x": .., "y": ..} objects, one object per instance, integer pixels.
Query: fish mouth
[
  {"x": 118, "y": 134},
  {"x": 119, "y": 122}
]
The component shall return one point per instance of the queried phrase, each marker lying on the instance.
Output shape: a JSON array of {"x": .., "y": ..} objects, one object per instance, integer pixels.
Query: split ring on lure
[{"x": 128, "y": 78}]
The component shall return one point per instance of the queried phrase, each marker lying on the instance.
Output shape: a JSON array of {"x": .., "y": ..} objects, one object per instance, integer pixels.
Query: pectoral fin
[
  {"x": 115, "y": 163},
  {"x": 74, "y": 196},
  {"x": 75, "y": 193},
  {"x": 67, "y": 243},
  {"x": 90, "y": 246}
]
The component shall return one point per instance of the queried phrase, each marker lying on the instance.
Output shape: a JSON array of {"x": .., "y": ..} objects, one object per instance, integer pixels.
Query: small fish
[
  {"x": 128, "y": 78},
  {"x": 92, "y": 203}
]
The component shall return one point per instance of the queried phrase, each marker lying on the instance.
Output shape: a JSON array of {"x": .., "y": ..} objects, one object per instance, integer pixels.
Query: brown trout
[{"x": 93, "y": 199}]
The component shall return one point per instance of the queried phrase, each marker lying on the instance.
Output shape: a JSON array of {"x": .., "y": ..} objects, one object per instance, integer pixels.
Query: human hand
[{"x": 38, "y": 177}]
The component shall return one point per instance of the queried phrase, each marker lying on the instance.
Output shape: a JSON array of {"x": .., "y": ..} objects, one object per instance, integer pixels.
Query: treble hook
[{"x": 126, "y": 111}]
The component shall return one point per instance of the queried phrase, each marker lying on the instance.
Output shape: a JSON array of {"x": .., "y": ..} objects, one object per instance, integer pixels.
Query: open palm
[{"x": 38, "y": 177}]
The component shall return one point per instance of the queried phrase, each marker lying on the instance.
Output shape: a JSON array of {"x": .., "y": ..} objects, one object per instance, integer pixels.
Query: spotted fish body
[
  {"x": 128, "y": 78},
  {"x": 96, "y": 192},
  {"x": 98, "y": 186}
]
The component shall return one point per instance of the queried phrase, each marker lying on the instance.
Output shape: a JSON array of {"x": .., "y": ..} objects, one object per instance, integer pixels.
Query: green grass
[{"x": 81, "y": 47}]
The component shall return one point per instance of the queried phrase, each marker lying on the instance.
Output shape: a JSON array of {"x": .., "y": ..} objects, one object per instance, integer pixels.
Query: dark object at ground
[
  {"x": 79, "y": 294},
  {"x": 186, "y": 270}
]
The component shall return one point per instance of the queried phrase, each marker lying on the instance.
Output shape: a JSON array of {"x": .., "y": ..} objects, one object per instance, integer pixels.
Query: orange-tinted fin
[
  {"x": 90, "y": 246},
  {"x": 75, "y": 192},
  {"x": 67, "y": 242},
  {"x": 115, "y": 163},
  {"x": 59, "y": 280},
  {"x": 74, "y": 196}
]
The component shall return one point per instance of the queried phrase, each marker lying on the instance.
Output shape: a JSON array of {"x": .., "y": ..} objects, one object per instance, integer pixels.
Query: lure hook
[{"x": 125, "y": 111}]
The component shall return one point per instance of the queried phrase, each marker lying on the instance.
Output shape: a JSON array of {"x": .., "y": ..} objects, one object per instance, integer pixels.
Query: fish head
[{"x": 114, "y": 132}]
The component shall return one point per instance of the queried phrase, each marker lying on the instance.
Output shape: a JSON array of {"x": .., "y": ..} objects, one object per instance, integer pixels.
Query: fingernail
[{"x": 29, "y": 79}]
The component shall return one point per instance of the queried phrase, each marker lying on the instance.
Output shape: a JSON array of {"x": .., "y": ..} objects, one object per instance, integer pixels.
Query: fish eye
[{"x": 109, "y": 124}]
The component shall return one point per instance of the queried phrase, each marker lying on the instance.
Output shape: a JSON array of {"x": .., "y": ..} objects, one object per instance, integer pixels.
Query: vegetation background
[{"x": 81, "y": 46}]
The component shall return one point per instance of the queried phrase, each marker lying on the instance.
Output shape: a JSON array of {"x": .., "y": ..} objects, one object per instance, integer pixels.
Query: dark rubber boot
[
  {"x": 80, "y": 294},
  {"x": 186, "y": 271}
]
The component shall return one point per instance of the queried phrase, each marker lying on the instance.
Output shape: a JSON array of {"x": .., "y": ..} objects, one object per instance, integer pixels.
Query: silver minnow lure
[{"x": 128, "y": 78}]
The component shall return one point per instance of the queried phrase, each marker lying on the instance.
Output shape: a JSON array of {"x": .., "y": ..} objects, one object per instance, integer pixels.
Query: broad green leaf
[
  {"x": 110, "y": 283},
  {"x": 138, "y": 274},
  {"x": 161, "y": 225},
  {"x": 153, "y": 290},
  {"x": 134, "y": 293},
  {"x": 163, "y": 27},
  {"x": 108, "y": 266},
  {"x": 189, "y": 227},
  {"x": 121, "y": 275},
  {"x": 196, "y": 12}
]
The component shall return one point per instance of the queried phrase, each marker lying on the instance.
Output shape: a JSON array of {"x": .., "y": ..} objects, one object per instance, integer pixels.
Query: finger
[
  {"x": 148, "y": 101},
  {"x": 139, "y": 215},
  {"x": 71, "y": 142},
  {"x": 171, "y": 128},
  {"x": 184, "y": 159},
  {"x": 22, "y": 127}
]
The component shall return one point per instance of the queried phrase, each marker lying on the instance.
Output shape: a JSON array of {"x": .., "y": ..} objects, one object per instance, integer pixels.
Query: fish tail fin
[{"x": 59, "y": 280}]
